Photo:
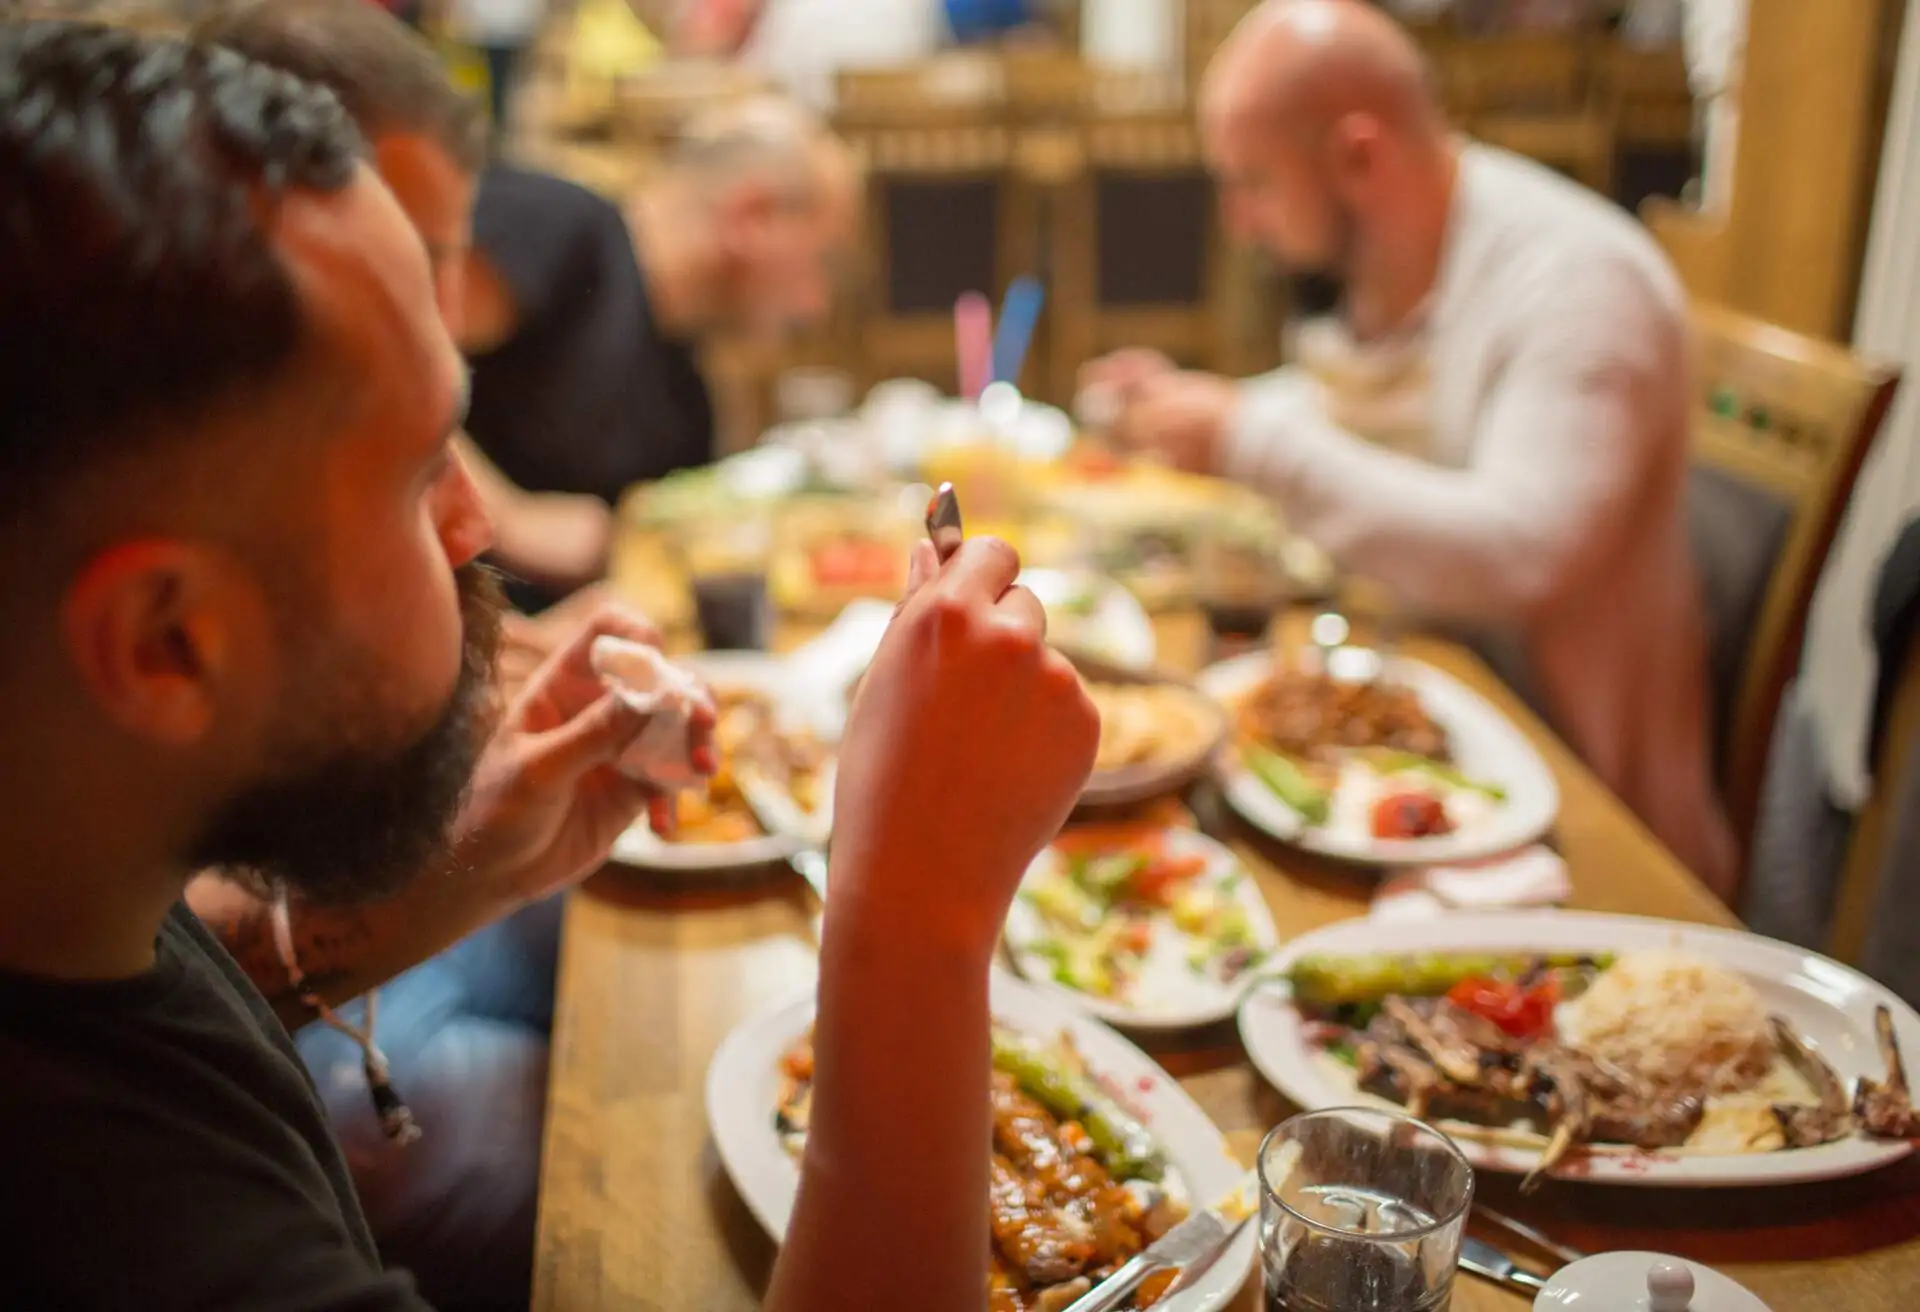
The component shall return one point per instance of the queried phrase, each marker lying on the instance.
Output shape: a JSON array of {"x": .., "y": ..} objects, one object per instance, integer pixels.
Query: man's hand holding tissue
[{"x": 548, "y": 797}]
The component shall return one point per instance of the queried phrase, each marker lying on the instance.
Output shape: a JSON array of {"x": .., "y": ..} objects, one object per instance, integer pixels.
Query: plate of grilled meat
[
  {"x": 1096, "y": 1153},
  {"x": 1569, "y": 1046},
  {"x": 1390, "y": 762}
]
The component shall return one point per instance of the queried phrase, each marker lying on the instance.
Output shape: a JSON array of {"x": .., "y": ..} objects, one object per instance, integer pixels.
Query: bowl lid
[{"x": 1644, "y": 1282}]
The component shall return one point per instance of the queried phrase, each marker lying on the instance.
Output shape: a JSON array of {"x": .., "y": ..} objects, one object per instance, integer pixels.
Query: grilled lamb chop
[
  {"x": 1830, "y": 1117},
  {"x": 1625, "y": 1108},
  {"x": 1434, "y": 1033},
  {"x": 1396, "y": 1071},
  {"x": 1656, "y": 1123},
  {"x": 1887, "y": 1110},
  {"x": 1568, "y": 1107}
]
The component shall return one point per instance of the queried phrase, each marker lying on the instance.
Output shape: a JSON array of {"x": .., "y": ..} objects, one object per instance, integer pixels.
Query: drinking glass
[
  {"x": 726, "y": 564},
  {"x": 1361, "y": 1211},
  {"x": 1240, "y": 582}
]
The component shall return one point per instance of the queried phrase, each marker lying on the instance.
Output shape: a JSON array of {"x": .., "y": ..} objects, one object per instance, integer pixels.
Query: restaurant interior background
[
  {"x": 1768, "y": 144},
  {"x": 1772, "y": 147}
]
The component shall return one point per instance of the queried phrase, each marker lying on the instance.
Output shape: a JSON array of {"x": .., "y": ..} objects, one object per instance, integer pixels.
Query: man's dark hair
[
  {"x": 389, "y": 79},
  {"x": 138, "y": 283}
]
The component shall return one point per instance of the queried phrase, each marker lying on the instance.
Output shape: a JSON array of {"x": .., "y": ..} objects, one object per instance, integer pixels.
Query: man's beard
[
  {"x": 358, "y": 809},
  {"x": 1314, "y": 293},
  {"x": 1319, "y": 289}
]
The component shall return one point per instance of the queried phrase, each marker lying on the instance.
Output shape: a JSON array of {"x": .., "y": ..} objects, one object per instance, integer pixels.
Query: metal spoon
[
  {"x": 943, "y": 523},
  {"x": 778, "y": 814}
]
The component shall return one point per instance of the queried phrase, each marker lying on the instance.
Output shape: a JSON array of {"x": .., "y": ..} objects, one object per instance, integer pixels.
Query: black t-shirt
[
  {"x": 587, "y": 395},
  {"x": 162, "y": 1147}
]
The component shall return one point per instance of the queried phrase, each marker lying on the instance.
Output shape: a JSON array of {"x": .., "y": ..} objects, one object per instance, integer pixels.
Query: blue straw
[{"x": 1019, "y": 313}]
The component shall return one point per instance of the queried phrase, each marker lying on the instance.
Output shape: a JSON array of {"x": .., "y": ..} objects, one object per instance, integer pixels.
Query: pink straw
[{"x": 973, "y": 343}]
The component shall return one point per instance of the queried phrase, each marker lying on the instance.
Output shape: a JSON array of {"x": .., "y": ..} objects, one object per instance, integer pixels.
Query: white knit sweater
[{"x": 1547, "y": 506}]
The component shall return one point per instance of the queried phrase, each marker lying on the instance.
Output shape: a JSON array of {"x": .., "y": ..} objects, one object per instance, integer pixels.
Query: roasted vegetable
[
  {"x": 1078, "y": 963},
  {"x": 1288, "y": 782},
  {"x": 1523, "y": 1011},
  {"x": 1122, "y": 1144},
  {"x": 1408, "y": 815},
  {"x": 1330, "y": 981},
  {"x": 1388, "y": 761}
]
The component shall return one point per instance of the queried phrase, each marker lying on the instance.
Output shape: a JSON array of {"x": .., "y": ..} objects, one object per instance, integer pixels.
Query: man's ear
[
  {"x": 148, "y": 628},
  {"x": 1353, "y": 147}
]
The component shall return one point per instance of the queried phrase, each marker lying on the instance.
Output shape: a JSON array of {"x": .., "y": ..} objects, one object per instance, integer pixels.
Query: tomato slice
[
  {"x": 1410, "y": 815},
  {"x": 1157, "y": 883},
  {"x": 1522, "y": 1012}
]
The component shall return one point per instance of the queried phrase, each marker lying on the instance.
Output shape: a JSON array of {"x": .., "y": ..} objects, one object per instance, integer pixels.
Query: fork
[{"x": 779, "y": 814}]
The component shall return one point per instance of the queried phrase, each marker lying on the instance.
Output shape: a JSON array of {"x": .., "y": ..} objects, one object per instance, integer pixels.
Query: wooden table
[{"x": 635, "y": 1211}]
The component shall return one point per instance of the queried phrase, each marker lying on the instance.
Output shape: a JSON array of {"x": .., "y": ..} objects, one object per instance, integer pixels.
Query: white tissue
[
  {"x": 1531, "y": 877},
  {"x": 668, "y": 695}
]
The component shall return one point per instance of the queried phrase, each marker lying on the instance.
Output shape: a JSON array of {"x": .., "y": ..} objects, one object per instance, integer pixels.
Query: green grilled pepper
[
  {"x": 1283, "y": 775},
  {"x": 1123, "y": 1145},
  {"x": 1388, "y": 761},
  {"x": 1328, "y": 981}
]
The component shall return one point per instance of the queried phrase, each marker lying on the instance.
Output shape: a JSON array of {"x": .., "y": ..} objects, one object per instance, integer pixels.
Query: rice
[{"x": 1684, "y": 1024}]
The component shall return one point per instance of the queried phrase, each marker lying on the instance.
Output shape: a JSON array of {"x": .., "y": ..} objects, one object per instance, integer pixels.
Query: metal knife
[
  {"x": 1520, "y": 1229},
  {"x": 1190, "y": 1248},
  {"x": 1489, "y": 1263}
]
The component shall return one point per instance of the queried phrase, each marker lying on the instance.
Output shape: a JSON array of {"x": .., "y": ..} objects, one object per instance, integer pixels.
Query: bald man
[{"x": 1493, "y": 427}]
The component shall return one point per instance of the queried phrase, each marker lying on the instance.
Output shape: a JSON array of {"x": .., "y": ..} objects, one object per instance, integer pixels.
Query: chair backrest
[
  {"x": 649, "y": 113},
  {"x": 1208, "y": 23},
  {"x": 1533, "y": 94},
  {"x": 1134, "y": 253},
  {"x": 1789, "y": 419},
  {"x": 1523, "y": 71},
  {"x": 967, "y": 87},
  {"x": 947, "y": 211},
  {"x": 1864, "y": 872},
  {"x": 1645, "y": 92},
  {"x": 1043, "y": 85},
  {"x": 1581, "y": 143}
]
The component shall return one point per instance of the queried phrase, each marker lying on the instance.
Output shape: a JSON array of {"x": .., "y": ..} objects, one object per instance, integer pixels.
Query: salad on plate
[{"x": 1147, "y": 922}]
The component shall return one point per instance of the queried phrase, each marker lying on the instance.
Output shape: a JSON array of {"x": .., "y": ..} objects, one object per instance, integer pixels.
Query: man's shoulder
[
  {"x": 1535, "y": 233},
  {"x": 508, "y": 196},
  {"x": 174, "y": 1154}
]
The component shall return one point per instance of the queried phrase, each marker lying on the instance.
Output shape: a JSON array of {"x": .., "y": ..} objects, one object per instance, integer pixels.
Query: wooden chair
[
  {"x": 1135, "y": 255},
  {"x": 1784, "y": 421},
  {"x": 966, "y": 87},
  {"x": 1646, "y": 93},
  {"x": 651, "y": 111},
  {"x": 947, "y": 212},
  {"x": 1531, "y": 94},
  {"x": 1043, "y": 86},
  {"x": 1873, "y": 829},
  {"x": 1692, "y": 240},
  {"x": 1208, "y": 24}
]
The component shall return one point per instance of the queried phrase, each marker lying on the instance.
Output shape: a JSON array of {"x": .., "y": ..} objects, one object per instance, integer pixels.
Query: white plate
[
  {"x": 1830, "y": 1004},
  {"x": 798, "y": 703},
  {"x": 1117, "y": 628},
  {"x": 743, "y": 1087},
  {"x": 1168, "y": 995},
  {"x": 1485, "y": 747}
]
